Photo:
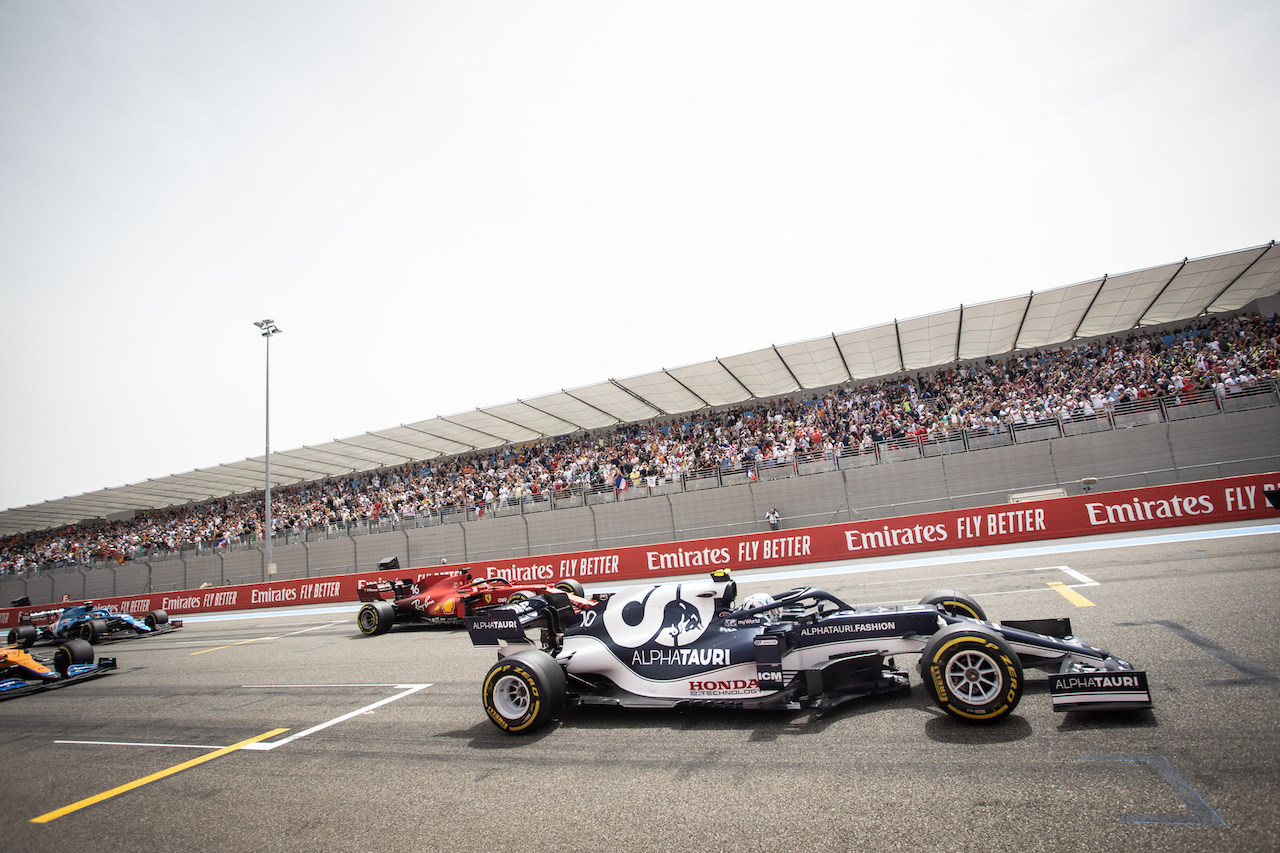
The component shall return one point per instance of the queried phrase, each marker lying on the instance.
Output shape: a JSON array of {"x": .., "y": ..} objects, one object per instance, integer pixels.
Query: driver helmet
[{"x": 760, "y": 599}]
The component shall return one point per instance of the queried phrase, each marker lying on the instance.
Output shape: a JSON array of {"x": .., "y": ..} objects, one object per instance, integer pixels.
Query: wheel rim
[
  {"x": 974, "y": 677},
  {"x": 368, "y": 620},
  {"x": 511, "y": 697}
]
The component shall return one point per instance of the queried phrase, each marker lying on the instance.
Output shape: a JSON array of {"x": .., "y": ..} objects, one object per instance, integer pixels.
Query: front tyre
[
  {"x": 572, "y": 586},
  {"x": 376, "y": 618},
  {"x": 92, "y": 630},
  {"x": 972, "y": 673},
  {"x": 71, "y": 652},
  {"x": 524, "y": 691},
  {"x": 956, "y": 603},
  {"x": 155, "y": 619}
]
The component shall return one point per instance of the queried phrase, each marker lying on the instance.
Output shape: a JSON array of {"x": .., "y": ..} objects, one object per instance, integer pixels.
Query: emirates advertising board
[{"x": 1186, "y": 504}]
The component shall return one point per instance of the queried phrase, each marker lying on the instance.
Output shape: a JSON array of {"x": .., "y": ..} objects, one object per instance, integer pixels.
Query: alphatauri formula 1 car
[
  {"x": 443, "y": 599},
  {"x": 684, "y": 644},
  {"x": 88, "y": 623},
  {"x": 22, "y": 672}
]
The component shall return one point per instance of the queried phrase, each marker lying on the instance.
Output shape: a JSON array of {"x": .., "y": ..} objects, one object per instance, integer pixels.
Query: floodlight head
[{"x": 268, "y": 327}]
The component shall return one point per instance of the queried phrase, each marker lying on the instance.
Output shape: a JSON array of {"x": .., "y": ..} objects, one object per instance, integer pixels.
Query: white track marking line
[
  {"x": 406, "y": 690},
  {"x": 314, "y": 628},
  {"x": 131, "y": 743},
  {"x": 1084, "y": 580},
  {"x": 269, "y": 613},
  {"x": 261, "y": 639}
]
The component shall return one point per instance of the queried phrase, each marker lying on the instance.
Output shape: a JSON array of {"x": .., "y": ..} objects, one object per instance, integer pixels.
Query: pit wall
[{"x": 1179, "y": 505}]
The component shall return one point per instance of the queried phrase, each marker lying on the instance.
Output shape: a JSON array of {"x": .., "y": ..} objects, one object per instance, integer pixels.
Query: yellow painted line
[
  {"x": 177, "y": 768},
  {"x": 241, "y": 643},
  {"x": 1071, "y": 595}
]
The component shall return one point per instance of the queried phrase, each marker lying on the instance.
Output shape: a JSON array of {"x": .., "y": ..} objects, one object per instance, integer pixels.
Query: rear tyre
[
  {"x": 376, "y": 618},
  {"x": 71, "y": 652},
  {"x": 971, "y": 673},
  {"x": 524, "y": 691},
  {"x": 23, "y": 635},
  {"x": 155, "y": 619},
  {"x": 573, "y": 587},
  {"x": 956, "y": 603}
]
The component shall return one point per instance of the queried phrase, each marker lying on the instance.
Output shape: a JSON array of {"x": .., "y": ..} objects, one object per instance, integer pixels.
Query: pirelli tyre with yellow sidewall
[
  {"x": 972, "y": 673},
  {"x": 375, "y": 617},
  {"x": 524, "y": 691}
]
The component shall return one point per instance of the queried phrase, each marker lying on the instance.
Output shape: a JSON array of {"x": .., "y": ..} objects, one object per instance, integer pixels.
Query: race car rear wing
[
  {"x": 505, "y": 626},
  {"x": 497, "y": 627}
]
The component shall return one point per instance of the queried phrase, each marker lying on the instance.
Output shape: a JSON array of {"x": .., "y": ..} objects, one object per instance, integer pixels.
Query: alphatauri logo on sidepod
[{"x": 665, "y": 615}]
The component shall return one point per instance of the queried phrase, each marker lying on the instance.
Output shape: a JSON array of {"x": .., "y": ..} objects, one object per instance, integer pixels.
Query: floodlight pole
[{"x": 269, "y": 328}]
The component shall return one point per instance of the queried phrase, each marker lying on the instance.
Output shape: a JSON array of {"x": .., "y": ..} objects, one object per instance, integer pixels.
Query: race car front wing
[
  {"x": 1122, "y": 690},
  {"x": 13, "y": 687}
]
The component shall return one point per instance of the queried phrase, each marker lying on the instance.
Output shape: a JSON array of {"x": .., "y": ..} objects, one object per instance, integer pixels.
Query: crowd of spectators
[{"x": 1087, "y": 380}]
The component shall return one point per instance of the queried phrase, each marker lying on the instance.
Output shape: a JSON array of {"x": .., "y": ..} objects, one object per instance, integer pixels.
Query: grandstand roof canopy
[{"x": 1168, "y": 293}]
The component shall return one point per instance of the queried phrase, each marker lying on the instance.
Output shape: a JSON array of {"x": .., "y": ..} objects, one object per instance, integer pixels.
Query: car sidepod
[
  {"x": 844, "y": 655},
  {"x": 658, "y": 646}
]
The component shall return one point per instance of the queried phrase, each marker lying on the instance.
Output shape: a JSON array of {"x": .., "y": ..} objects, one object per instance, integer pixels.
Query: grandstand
[{"x": 1174, "y": 344}]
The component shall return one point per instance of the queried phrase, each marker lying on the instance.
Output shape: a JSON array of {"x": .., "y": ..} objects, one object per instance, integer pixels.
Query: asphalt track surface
[{"x": 380, "y": 744}]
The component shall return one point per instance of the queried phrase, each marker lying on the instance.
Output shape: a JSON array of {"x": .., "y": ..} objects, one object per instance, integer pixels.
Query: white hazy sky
[{"x": 447, "y": 205}]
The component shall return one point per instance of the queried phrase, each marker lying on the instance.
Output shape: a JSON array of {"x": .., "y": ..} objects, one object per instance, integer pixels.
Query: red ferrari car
[{"x": 445, "y": 599}]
